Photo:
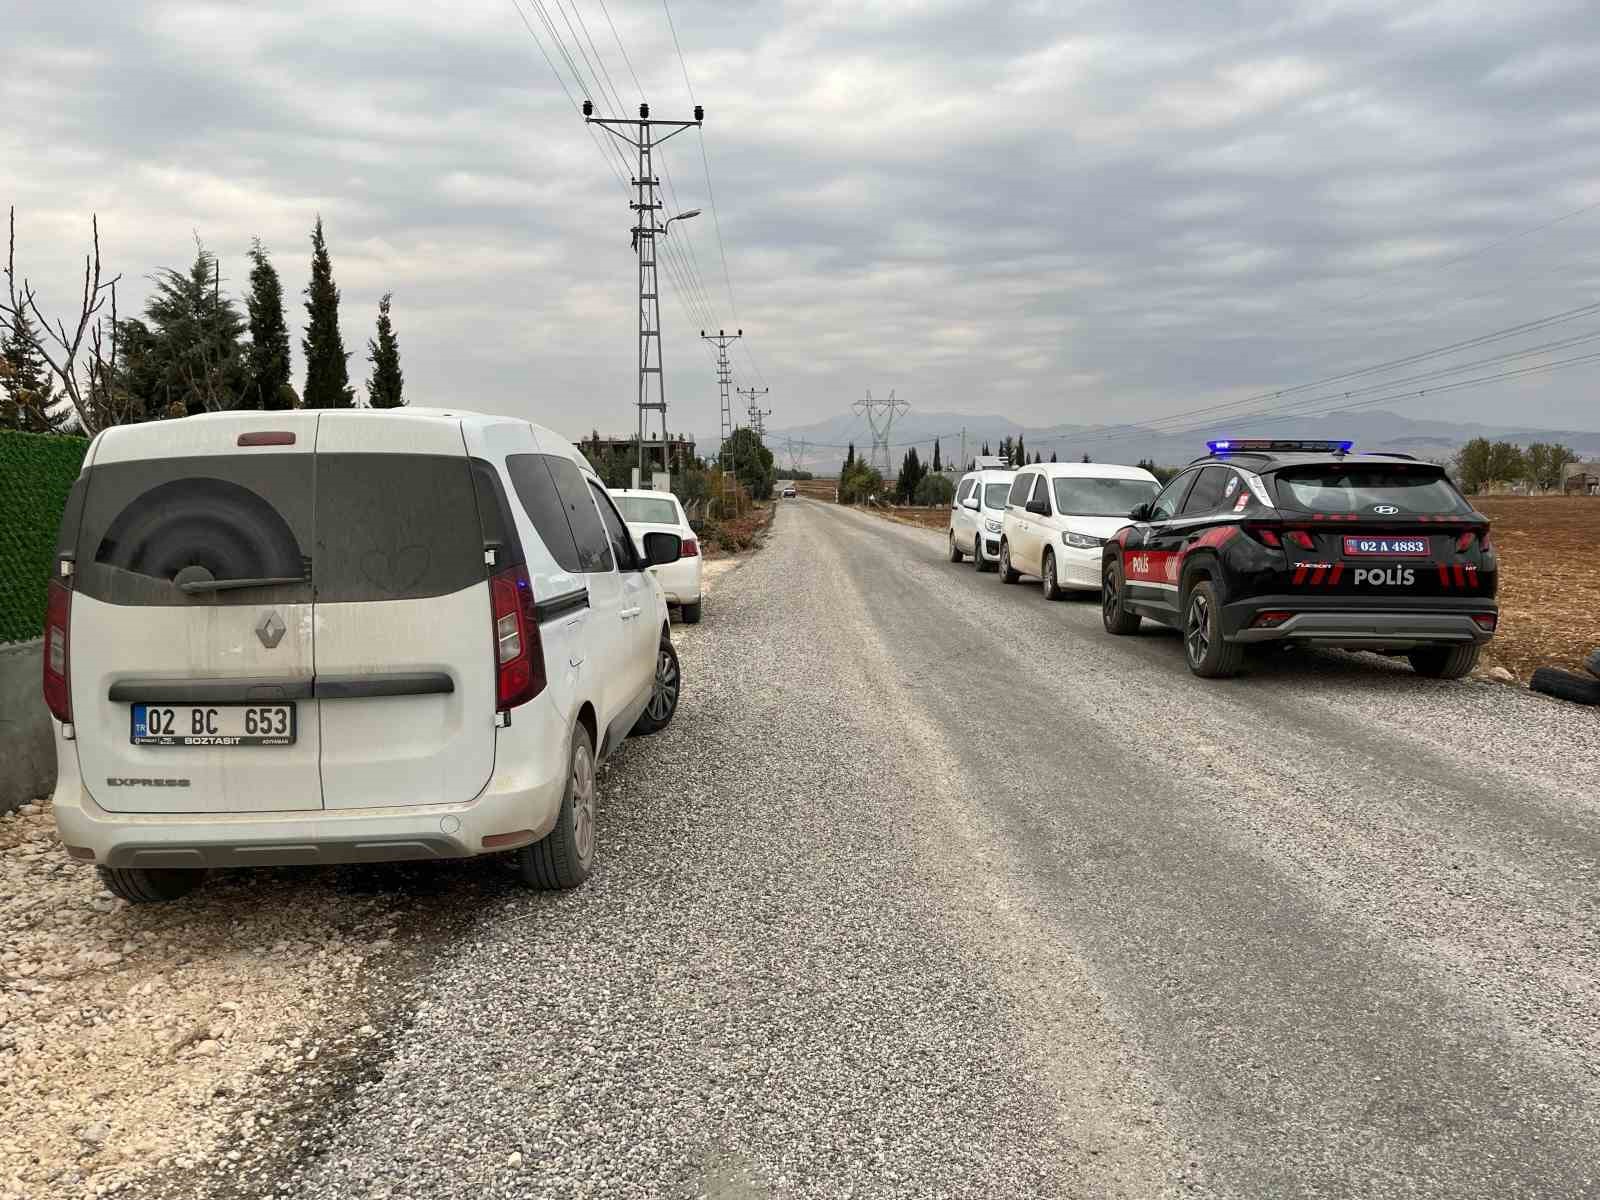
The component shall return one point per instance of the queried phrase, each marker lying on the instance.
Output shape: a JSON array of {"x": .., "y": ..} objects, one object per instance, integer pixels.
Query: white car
[
  {"x": 1058, "y": 515},
  {"x": 344, "y": 636},
  {"x": 660, "y": 512},
  {"x": 975, "y": 514}
]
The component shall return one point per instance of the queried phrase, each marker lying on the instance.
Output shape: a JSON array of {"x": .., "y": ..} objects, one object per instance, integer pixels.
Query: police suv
[{"x": 1305, "y": 542}]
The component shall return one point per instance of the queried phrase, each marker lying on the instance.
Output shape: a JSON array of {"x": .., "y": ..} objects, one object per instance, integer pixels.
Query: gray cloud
[{"x": 1060, "y": 212}]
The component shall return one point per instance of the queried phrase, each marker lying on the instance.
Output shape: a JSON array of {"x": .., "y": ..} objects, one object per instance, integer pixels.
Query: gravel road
[{"x": 933, "y": 889}]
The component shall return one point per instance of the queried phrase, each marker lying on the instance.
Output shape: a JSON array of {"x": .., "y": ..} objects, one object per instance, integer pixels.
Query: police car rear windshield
[
  {"x": 1083, "y": 496},
  {"x": 1366, "y": 490},
  {"x": 994, "y": 494}
]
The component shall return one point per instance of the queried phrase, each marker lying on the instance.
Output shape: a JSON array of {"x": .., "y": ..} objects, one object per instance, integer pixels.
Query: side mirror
[
  {"x": 1141, "y": 512},
  {"x": 970, "y": 502},
  {"x": 1039, "y": 508},
  {"x": 662, "y": 548}
]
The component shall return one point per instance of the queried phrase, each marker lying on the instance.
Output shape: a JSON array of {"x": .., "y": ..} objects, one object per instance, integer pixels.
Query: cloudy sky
[{"x": 1054, "y": 211}]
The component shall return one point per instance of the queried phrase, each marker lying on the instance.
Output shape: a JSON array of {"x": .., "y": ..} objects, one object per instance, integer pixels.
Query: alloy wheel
[
  {"x": 664, "y": 697},
  {"x": 583, "y": 801},
  {"x": 1197, "y": 629},
  {"x": 1109, "y": 596}
]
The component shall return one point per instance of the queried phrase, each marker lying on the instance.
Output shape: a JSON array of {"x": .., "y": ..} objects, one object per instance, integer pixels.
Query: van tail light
[
  {"x": 690, "y": 548},
  {"x": 58, "y": 649},
  {"x": 1265, "y": 534},
  {"x": 1300, "y": 538},
  {"x": 519, "y": 653}
]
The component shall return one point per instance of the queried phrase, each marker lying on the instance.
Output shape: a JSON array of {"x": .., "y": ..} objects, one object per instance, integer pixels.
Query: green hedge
[{"x": 36, "y": 473}]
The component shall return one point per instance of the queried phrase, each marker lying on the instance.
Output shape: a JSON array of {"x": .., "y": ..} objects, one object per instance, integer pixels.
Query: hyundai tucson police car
[{"x": 1305, "y": 542}]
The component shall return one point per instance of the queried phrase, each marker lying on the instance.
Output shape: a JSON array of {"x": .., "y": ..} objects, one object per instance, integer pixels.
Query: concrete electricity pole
[
  {"x": 724, "y": 377},
  {"x": 642, "y": 137},
  {"x": 880, "y": 416}
]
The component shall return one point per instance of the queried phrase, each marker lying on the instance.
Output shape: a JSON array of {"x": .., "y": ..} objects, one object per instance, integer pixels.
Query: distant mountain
[{"x": 826, "y": 440}]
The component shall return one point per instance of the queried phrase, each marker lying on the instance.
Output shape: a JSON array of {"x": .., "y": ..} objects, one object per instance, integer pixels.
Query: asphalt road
[{"x": 933, "y": 889}]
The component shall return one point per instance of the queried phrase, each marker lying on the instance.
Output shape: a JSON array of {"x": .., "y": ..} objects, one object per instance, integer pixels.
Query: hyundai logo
[{"x": 1387, "y": 510}]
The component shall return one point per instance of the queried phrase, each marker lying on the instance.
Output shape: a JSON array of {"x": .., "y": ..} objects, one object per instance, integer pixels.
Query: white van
[
  {"x": 975, "y": 514},
  {"x": 344, "y": 636},
  {"x": 1058, "y": 515}
]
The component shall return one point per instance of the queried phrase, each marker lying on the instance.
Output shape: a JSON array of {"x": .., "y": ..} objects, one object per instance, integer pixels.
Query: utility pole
[
  {"x": 880, "y": 416},
  {"x": 724, "y": 377},
  {"x": 642, "y": 137},
  {"x": 757, "y": 415},
  {"x": 964, "y": 458}
]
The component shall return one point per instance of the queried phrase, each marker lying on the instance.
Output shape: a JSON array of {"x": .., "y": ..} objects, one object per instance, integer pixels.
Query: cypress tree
[
  {"x": 27, "y": 392},
  {"x": 386, "y": 381},
  {"x": 1021, "y": 453},
  {"x": 936, "y": 465},
  {"x": 267, "y": 361},
  {"x": 327, "y": 371}
]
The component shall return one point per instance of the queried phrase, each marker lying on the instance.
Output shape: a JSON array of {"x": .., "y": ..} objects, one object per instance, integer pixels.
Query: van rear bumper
[{"x": 525, "y": 805}]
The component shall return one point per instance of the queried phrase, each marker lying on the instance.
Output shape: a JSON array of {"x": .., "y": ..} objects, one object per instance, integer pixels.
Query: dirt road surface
[{"x": 933, "y": 889}]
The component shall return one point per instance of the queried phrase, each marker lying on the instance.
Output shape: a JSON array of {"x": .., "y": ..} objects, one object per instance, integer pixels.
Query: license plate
[
  {"x": 1386, "y": 547},
  {"x": 213, "y": 725}
]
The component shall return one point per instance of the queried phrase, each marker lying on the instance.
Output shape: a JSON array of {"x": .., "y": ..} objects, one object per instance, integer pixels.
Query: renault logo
[{"x": 270, "y": 629}]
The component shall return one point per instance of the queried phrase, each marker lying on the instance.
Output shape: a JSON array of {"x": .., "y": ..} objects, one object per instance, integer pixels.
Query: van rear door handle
[{"x": 629, "y": 613}]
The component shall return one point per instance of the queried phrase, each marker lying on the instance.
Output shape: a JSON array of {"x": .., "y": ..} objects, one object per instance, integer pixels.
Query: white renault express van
[
  {"x": 976, "y": 511},
  {"x": 344, "y": 636}
]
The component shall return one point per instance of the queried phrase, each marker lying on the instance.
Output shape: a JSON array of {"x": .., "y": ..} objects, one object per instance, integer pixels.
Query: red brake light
[
  {"x": 58, "y": 649},
  {"x": 267, "y": 437},
  {"x": 1268, "y": 620},
  {"x": 1485, "y": 621},
  {"x": 519, "y": 653},
  {"x": 690, "y": 548},
  {"x": 1299, "y": 537},
  {"x": 1464, "y": 542},
  {"x": 1264, "y": 534}
]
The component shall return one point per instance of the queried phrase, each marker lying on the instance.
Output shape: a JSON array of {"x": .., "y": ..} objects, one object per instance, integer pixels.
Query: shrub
[
  {"x": 36, "y": 473},
  {"x": 935, "y": 490}
]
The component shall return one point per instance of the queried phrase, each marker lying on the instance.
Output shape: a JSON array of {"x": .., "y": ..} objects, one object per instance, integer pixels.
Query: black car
[{"x": 1306, "y": 542}]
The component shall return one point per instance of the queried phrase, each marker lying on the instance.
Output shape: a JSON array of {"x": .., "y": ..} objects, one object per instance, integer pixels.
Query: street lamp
[{"x": 683, "y": 216}]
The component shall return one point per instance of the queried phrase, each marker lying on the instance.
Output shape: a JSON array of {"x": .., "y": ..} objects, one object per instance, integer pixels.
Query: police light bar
[{"x": 1236, "y": 445}]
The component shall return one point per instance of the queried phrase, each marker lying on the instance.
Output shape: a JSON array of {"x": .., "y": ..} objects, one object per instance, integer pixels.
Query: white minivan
[
  {"x": 975, "y": 513},
  {"x": 1058, "y": 515},
  {"x": 344, "y": 636}
]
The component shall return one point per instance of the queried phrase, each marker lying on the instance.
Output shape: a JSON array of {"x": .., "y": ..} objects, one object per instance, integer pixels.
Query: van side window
[
  {"x": 966, "y": 490},
  {"x": 1020, "y": 487},
  {"x": 1041, "y": 491},
  {"x": 585, "y": 547},
  {"x": 616, "y": 530}
]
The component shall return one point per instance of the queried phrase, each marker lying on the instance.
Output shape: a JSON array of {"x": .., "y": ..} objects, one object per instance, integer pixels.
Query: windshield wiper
[{"x": 233, "y": 585}]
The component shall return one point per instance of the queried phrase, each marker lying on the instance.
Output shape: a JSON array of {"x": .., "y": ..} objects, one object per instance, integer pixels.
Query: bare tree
[{"x": 88, "y": 384}]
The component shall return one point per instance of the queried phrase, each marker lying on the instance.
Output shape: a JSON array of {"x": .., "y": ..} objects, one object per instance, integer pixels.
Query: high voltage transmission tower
[
  {"x": 880, "y": 416},
  {"x": 797, "y": 458},
  {"x": 645, "y": 230},
  {"x": 723, "y": 340}
]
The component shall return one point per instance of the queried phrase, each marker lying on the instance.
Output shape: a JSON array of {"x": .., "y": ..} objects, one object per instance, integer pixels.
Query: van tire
[
  {"x": 1047, "y": 577},
  {"x": 1444, "y": 662},
  {"x": 955, "y": 552},
  {"x": 564, "y": 857},
  {"x": 151, "y": 885},
  {"x": 667, "y": 686},
  {"x": 1007, "y": 575},
  {"x": 689, "y": 614},
  {"x": 1566, "y": 685}
]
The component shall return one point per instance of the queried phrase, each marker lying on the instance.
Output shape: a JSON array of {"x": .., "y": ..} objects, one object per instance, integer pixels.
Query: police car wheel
[
  {"x": 1208, "y": 654},
  {"x": 1444, "y": 662},
  {"x": 1113, "y": 610}
]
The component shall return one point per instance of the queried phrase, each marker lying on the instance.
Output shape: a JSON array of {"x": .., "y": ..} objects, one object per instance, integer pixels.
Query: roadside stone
[{"x": 1501, "y": 675}]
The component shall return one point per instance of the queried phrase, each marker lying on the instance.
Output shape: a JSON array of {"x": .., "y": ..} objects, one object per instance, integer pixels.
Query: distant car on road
[
  {"x": 660, "y": 512},
  {"x": 1058, "y": 515},
  {"x": 975, "y": 512},
  {"x": 788, "y": 491},
  {"x": 306, "y": 637},
  {"x": 1304, "y": 542}
]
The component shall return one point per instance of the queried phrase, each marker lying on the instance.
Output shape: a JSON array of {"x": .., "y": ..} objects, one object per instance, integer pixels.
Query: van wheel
[
  {"x": 1007, "y": 575},
  {"x": 689, "y": 614},
  {"x": 977, "y": 554},
  {"x": 1052, "y": 588},
  {"x": 955, "y": 554},
  {"x": 1444, "y": 662},
  {"x": 657, "y": 715},
  {"x": 1209, "y": 656},
  {"x": 1113, "y": 602},
  {"x": 150, "y": 885},
  {"x": 564, "y": 857}
]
